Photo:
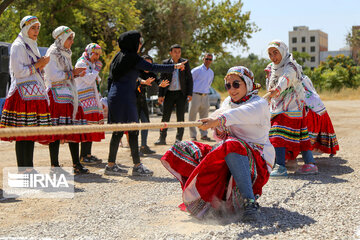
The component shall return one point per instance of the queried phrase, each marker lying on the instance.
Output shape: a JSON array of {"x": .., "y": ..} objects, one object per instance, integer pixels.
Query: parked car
[{"x": 214, "y": 98}]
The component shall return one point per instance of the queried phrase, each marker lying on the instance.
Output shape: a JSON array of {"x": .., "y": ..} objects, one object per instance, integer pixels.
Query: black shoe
[
  {"x": 251, "y": 210},
  {"x": 160, "y": 142},
  {"x": 207, "y": 139},
  {"x": 115, "y": 171},
  {"x": 146, "y": 150},
  {"x": 80, "y": 169},
  {"x": 88, "y": 160},
  {"x": 97, "y": 160}
]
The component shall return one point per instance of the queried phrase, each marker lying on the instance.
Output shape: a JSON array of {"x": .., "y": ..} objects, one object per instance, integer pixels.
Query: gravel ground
[{"x": 324, "y": 206}]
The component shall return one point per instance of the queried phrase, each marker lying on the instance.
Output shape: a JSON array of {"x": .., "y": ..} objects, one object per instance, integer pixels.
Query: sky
[{"x": 277, "y": 17}]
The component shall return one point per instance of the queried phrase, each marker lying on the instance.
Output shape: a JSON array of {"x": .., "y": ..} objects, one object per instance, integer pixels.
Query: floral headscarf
[
  {"x": 91, "y": 49},
  {"x": 248, "y": 77}
]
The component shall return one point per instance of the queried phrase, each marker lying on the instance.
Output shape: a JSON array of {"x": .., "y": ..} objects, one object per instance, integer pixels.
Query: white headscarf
[
  {"x": 63, "y": 58},
  {"x": 286, "y": 59},
  {"x": 248, "y": 77},
  {"x": 25, "y": 25}
]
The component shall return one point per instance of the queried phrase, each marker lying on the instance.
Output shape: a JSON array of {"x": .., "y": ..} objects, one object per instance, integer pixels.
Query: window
[
  {"x": 312, "y": 39},
  {"x": 303, "y": 49},
  {"x": 294, "y": 40},
  {"x": 303, "y": 39},
  {"x": 294, "y": 49},
  {"x": 312, "y": 59},
  {"x": 312, "y": 49}
]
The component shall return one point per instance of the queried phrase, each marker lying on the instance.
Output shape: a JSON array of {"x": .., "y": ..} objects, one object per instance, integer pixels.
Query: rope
[{"x": 72, "y": 129}]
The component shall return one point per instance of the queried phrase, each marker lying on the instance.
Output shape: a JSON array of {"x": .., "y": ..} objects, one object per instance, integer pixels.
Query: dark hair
[
  {"x": 147, "y": 57},
  {"x": 174, "y": 46}
]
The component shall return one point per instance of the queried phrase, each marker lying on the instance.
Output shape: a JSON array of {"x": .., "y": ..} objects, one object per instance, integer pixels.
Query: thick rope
[{"x": 75, "y": 129}]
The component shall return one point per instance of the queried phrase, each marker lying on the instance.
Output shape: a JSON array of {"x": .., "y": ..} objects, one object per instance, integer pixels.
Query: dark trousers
[
  {"x": 143, "y": 113},
  {"x": 54, "y": 153},
  {"x": 24, "y": 153},
  {"x": 172, "y": 99},
  {"x": 133, "y": 142},
  {"x": 85, "y": 149}
]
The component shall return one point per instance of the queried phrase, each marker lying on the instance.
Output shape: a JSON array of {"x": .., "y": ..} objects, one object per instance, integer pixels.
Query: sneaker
[
  {"x": 279, "y": 171},
  {"x": 141, "y": 170},
  {"x": 115, "y": 171},
  {"x": 97, "y": 160},
  {"x": 160, "y": 142},
  {"x": 193, "y": 139},
  {"x": 206, "y": 138},
  {"x": 146, "y": 150},
  {"x": 251, "y": 210},
  {"x": 308, "y": 169},
  {"x": 80, "y": 169},
  {"x": 88, "y": 160}
]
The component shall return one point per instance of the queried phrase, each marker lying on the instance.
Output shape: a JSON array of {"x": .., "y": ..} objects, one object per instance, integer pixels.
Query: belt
[{"x": 201, "y": 94}]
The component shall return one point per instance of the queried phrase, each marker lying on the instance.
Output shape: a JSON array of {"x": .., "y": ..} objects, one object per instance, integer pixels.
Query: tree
[
  {"x": 197, "y": 25},
  {"x": 4, "y": 4},
  {"x": 301, "y": 57}
]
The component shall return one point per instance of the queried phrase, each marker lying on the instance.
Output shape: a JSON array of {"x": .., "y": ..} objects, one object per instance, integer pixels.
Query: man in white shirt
[{"x": 203, "y": 77}]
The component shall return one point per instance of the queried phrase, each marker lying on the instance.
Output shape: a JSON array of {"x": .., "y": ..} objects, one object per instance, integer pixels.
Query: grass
[{"x": 344, "y": 94}]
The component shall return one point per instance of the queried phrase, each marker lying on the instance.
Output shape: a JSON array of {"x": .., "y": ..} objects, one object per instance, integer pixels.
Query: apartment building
[{"x": 301, "y": 39}]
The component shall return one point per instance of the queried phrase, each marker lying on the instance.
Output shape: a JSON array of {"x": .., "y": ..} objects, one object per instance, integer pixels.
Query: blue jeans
[
  {"x": 280, "y": 156},
  {"x": 240, "y": 170}
]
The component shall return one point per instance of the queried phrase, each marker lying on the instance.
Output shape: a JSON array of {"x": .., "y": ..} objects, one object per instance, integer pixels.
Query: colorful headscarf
[
  {"x": 248, "y": 77},
  {"x": 25, "y": 25},
  {"x": 91, "y": 49}
]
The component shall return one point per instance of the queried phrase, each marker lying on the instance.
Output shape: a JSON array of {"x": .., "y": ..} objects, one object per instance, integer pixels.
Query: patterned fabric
[
  {"x": 30, "y": 90},
  {"x": 248, "y": 77},
  {"x": 291, "y": 133},
  {"x": 20, "y": 113},
  {"x": 205, "y": 177},
  {"x": 321, "y": 133}
]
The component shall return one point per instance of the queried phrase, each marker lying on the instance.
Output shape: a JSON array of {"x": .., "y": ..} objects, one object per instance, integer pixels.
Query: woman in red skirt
[
  {"x": 289, "y": 133},
  {"x": 89, "y": 96},
  {"x": 321, "y": 131},
  {"x": 27, "y": 103},
  {"x": 64, "y": 104},
  {"x": 233, "y": 172}
]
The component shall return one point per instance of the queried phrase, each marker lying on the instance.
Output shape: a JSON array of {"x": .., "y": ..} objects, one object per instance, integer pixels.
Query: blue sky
[{"x": 277, "y": 17}]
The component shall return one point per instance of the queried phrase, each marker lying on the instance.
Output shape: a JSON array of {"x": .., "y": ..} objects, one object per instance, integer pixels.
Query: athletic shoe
[
  {"x": 146, "y": 150},
  {"x": 279, "y": 171},
  {"x": 251, "y": 210},
  {"x": 308, "y": 169},
  {"x": 97, "y": 160},
  {"x": 193, "y": 139},
  {"x": 141, "y": 170},
  {"x": 207, "y": 139},
  {"x": 80, "y": 169},
  {"x": 88, "y": 161},
  {"x": 115, "y": 171}
]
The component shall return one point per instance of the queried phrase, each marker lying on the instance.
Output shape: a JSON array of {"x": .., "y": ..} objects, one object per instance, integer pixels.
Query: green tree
[
  {"x": 198, "y": 25},
  {"x": 301, "y": 57}
]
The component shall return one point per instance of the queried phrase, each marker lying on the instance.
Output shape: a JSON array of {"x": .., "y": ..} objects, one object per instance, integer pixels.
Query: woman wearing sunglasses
[
  {"x": 243, "y": 151},
  {"x": 289, "y": 133}
]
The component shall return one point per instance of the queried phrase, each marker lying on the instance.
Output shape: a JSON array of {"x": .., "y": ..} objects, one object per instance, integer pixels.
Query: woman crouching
[{"x": 238, "y": 166}]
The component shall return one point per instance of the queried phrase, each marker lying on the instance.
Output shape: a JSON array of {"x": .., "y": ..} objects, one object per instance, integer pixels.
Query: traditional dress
[
  {"x": 202, "y": 170},
  {"x": 288, "y": 121},
  {"x": 27, "y": 103},
  {"x": 62, "y": 92},
  {"x": 321, "y": 131},
  {"x": 88, "y": 90}
]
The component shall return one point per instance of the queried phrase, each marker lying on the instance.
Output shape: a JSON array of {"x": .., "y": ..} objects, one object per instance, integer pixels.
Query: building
[
  {"x": 324, "y": 55},
  {"x": 301, "y": 39},
  {"x": 355, "y": 46}
]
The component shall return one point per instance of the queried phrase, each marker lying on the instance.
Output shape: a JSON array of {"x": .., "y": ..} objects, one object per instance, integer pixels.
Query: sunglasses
[
  {"x": 236, "y": 84},
  {"x": 208, "y": 59}
]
